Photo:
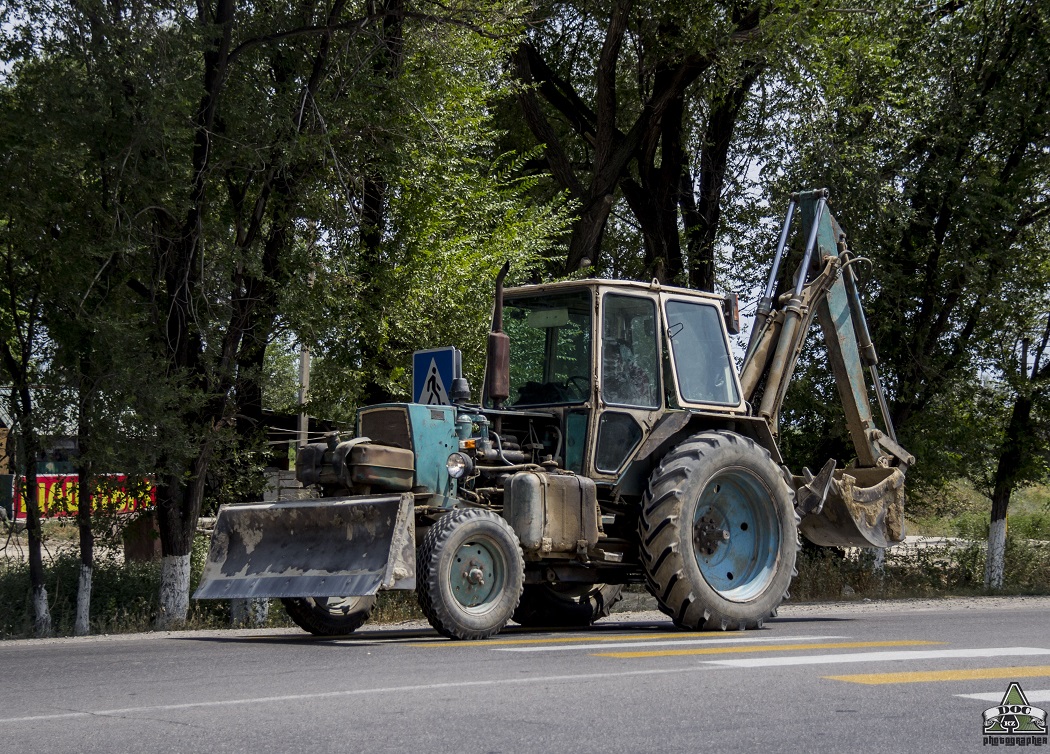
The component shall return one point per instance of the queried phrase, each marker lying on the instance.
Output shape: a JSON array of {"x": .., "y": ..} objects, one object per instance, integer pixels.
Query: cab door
[{"x": 630, "y": 384}]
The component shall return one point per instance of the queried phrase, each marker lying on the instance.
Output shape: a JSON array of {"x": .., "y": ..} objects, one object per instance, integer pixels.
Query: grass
[
  {"x": 939, "y": 571},
  {"x": 955, "y": 568},
  {"x": 125, "y": 596}
]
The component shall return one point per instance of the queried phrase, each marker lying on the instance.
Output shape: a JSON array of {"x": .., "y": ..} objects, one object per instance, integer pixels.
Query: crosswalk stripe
[
  {"x": 924, "y": 676},
  {"x": 933, "y": 654},
  {"x": 766, "y": 648},
  {"x": 1038, "y": 695},
  {"x": 671, "y": 642}
]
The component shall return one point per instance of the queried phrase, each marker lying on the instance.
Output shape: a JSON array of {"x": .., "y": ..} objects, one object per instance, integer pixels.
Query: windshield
[{"x": 550, "y": 348}]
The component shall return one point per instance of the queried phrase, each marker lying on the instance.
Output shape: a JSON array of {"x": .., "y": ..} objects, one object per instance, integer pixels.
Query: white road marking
[
  {"x": 667, "y": 643},
  {"x": 354, "y": 692},
  {"x": 1040, "y": 695},
  {"x": 918, "y": 654}
]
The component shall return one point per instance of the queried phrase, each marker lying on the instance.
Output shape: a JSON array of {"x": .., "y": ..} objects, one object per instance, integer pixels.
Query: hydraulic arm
[{"x": 861, "y": 505}]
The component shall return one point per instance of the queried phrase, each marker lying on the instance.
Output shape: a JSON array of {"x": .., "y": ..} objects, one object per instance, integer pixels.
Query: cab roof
[{"x": 610, "y": 284}]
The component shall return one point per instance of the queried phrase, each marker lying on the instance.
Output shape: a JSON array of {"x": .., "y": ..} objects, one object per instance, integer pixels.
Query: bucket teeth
[{"x": 862, "y": 508}]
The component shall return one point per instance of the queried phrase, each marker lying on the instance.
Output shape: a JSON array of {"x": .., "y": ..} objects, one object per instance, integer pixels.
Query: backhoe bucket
[
  {"x": 864, "y": 508},
  {"x": 327, "y": 547}
]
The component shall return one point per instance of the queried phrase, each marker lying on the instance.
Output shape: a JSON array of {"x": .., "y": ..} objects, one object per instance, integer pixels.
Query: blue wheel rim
[
  {"x": 736, "y": 535},
  {"x": 477, "y": 574}
]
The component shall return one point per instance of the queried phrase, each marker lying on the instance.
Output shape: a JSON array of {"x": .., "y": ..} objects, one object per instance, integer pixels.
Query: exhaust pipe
[{"x": 497, "y": 366}]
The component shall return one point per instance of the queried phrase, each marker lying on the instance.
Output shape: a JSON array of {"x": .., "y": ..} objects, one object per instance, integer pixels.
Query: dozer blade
[
  {"x": 327, "y": 547},
  {"x": 864, "y": 508}
]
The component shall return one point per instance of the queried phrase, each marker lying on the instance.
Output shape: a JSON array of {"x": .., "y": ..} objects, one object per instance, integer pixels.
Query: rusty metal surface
[
  {"x": 384, "y": 467},
  {"x": 326, "y": 547},
  {"x": 864, "y": 508},
  {"x": 552, "y": 513}
]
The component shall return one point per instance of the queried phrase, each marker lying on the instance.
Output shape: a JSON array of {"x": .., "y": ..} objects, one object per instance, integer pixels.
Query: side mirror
[{"x": 731, "y": 313}]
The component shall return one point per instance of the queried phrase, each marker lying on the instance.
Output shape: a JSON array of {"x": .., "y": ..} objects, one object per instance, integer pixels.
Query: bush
[
  {"x": 124, "y": 596},
  {"x": 826, "y": 573}
]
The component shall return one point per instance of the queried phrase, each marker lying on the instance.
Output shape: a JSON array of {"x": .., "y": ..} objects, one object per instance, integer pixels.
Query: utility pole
[{"x": 304, "y": 384}]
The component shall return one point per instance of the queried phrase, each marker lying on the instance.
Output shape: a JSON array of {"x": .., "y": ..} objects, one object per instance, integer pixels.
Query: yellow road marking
[
  {"x": 921, "y": 676},
  {"x": 671, "y": 635},
  {"x": 767, "y": 648}
]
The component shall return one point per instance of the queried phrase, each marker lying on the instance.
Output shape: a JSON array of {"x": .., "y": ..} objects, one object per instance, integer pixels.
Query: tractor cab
[{"x": 610, "y": 358}]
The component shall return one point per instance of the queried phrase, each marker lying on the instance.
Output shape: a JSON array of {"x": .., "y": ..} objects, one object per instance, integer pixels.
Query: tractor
[{"x": 615, "y": 442}]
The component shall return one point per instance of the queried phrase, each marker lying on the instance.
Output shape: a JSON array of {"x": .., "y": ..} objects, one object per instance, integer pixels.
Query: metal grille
[{"x": 388, "y": 426}]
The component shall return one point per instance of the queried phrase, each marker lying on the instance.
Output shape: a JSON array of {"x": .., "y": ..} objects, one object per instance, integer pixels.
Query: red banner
[{"x": 57, "y": 495}]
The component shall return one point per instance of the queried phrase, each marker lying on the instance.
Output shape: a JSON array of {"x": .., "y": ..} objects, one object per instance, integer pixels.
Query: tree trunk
[
  {"x": 85, "y": 498},
  {"x": 174, "y": 591},
  {"x": 249, "y": 612},
  {"x": 995, "y": 563},
  {"x": 1011, "y": 461},
  {"x": 85, "y": 495},
  {"x": 31, "y": 502},
  {"x": 703, "y": 217},
  {"x": 179, "y": 507}
]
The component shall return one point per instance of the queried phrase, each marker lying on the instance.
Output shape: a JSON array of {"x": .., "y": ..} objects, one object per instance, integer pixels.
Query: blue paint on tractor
[
  {"x": 432, "y": 437},
  {"x": 737, "y": 534}
]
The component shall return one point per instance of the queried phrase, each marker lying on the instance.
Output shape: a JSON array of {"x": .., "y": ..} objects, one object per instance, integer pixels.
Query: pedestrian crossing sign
[{"x": 432, "y": 375}]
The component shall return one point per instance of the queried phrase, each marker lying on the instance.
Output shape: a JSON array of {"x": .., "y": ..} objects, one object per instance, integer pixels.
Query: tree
[
  {"x": 929, "y": 125},
  {"x": 227, "y": 143},
  {"x": 638, "y": 105},
  {"x": 31, "y": 247}
]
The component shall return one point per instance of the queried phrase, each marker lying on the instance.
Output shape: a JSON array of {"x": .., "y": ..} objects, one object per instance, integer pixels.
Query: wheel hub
[
  {"x": 708, "y": 535},
  {"x": 735, "y": 534},
  {"x": 475, "y": 575}
]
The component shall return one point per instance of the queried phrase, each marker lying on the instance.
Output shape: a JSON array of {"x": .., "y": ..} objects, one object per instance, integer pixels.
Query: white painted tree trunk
[
  {"x": 995, "y": 562},
  {"x": 83, "y": 623},
  {"x": 174, "y": 591},
  {"x": 253, "y": 612},
  {"x": 41, "y": 612}
]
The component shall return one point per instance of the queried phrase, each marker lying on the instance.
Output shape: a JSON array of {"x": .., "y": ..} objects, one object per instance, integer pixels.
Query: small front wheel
[
  {"x": 469, "y": 574},
  {"x": 329, "y": 616},
  {"x": 566, "y": 605}
]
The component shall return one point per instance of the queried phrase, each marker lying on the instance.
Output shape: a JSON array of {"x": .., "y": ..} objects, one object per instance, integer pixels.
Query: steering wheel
[{"x": 578, "y": 383}]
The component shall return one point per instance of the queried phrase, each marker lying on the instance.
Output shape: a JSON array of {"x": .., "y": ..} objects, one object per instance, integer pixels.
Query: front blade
[
  {"x": 325, "y": 547},
  {"x": 864, "y": 508}
]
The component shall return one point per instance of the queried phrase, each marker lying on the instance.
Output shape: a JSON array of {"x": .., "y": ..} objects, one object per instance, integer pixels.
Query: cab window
[
  {"x": 701, "y": 357},
  {"x": 550, "y": 348},
  {"x": 630, "y": 355}
]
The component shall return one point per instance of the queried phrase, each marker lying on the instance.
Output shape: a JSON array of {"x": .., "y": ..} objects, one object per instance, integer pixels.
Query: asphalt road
[{"x": 878, "y": 677}]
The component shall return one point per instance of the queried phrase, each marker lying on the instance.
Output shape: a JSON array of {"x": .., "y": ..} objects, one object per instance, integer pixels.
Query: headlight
[{"x": 459, "y": 465}]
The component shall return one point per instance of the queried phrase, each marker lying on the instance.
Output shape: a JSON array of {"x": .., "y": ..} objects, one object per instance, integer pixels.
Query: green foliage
[
  {"x": 938, "y": 571},
  {"x": 123, "y": 595}
]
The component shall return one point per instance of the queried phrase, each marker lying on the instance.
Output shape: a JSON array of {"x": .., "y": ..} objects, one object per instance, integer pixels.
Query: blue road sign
[{"x": 432, "y": 375}]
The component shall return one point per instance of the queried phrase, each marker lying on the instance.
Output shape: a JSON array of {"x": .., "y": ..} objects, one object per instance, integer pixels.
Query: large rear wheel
[
  {"x": 329, "y": 616},
  {"x": 566, "y": 605},
  {"x": 719, "y": 533},
  {"x": 469, "y": 574}
]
